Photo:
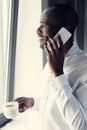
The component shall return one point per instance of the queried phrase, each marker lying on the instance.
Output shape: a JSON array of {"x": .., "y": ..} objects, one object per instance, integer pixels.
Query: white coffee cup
[{"x": 11, "y": 110}]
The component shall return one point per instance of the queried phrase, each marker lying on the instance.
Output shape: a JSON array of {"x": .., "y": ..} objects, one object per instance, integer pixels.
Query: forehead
[
  {"x": 48, "y": 17},
  {"x": 44, "y": 17}
]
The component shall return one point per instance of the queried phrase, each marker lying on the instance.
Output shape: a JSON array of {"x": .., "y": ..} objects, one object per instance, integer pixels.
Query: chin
[{"x": 42, "y": 44}]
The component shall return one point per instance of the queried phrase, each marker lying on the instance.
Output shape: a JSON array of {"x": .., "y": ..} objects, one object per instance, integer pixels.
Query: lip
[{"x": 40, "y": 37}]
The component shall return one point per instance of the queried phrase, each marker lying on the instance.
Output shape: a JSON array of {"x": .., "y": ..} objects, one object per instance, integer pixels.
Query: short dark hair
[{"x": 66, "y": 14}]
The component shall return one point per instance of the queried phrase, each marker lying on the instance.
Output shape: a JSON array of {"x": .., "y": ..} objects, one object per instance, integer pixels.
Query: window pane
[
  {"x": 28, "y": 53},
  {"x": 4, "y": 45},
  {"x": 1, "y": 65}
]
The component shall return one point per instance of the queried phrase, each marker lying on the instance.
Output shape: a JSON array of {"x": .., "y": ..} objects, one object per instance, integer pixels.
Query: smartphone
[{"x": 64, "y": 33}]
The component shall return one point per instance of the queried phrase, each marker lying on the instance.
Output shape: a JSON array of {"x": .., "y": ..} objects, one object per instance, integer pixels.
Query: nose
[{"x": 38, "y": 30}]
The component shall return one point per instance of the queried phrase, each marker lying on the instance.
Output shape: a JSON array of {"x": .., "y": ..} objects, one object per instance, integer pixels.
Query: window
[
  {"x": 23, "y": 71},
  {"x": 28, "y": 65},
  {"x": 4, "y": 47},
  {"x": 4, "y": 28},
  {"x": 1, "y": 67},
  {"x": 8, "y": 27}
]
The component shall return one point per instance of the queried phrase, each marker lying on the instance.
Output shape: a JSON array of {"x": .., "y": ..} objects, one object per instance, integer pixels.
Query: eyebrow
[{"x": 46, "y": 24}]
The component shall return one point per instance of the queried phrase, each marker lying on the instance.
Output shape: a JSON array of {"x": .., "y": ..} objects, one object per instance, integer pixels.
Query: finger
[
  {"x": 46, "y": 50},
  {"x": 54, "y": 43},
  {"x": 19, "y": 100},
  {"x": 22, "y": 108},
  {"x": 50, "y": 46},
  {"x": 60, "y": 42},
  {"x": 57, "y": 41},
  {"x": 16, "y": 99}
]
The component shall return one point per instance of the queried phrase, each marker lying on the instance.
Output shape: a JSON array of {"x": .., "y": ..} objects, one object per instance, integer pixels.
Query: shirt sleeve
[
  {"x": 36, "y": 103},
  {"x": 69, "y": 105}
]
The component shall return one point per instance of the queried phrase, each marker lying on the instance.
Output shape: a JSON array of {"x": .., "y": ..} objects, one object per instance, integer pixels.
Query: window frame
[{"x": 11, "y": 58}]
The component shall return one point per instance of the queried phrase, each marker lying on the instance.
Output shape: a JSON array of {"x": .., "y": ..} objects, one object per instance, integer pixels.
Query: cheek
[
  {"x": 45, "y": 39},
  {"x": 43, "y": 42},
  {"x": 50, "y": 33},
  {"x": 46, "y": 32}
]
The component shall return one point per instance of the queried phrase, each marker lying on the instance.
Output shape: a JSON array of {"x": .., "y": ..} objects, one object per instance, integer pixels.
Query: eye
[{"x": 44, "y": 25}]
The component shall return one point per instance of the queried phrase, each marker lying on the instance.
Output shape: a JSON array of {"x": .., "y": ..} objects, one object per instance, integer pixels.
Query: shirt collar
[{"x": 73, "y": 50}]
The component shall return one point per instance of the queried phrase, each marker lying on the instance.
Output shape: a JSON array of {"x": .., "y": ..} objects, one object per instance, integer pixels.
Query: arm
[{"x": 69, "y": 106}]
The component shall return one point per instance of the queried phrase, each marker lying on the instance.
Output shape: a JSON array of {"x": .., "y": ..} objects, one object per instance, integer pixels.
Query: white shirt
[{"x": 63, "y": 104}]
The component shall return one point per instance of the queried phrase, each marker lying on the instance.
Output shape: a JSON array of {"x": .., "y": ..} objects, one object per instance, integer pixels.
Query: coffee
[{"x": 9, "y": 105}]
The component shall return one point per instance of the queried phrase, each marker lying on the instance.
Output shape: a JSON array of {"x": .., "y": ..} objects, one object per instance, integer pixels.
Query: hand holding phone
[
  {"x": 55, "y": 58},
  {"x": 64, "y": 34}
]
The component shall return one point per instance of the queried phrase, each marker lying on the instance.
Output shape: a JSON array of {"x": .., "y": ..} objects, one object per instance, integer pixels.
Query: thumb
[{"x": 22, "y": 109}]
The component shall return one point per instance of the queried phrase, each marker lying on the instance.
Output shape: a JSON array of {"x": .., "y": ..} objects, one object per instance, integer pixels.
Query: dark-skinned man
[{"x": 63, "y": 105}]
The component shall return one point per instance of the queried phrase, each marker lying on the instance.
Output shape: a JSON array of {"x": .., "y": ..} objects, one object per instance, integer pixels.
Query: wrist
[
  {"x": 58, "y": 73},
  {"x": 31, "y": 102}
]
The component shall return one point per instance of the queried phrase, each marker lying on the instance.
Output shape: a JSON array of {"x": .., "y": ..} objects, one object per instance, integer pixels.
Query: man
[{"x": 63, "y": 104}]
